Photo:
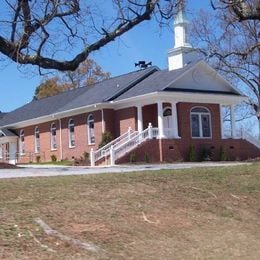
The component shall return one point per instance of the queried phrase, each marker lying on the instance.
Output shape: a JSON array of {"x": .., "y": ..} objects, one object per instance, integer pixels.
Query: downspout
[
  {"x": 102, "y": 122},
  {"x": 61, "y": 147}
]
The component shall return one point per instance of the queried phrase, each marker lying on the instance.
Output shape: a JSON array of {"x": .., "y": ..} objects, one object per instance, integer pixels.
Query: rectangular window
[
  {"x": 53, "y": 139},
  {"x": 205, "y": 121},
  {"x": 195, "y": 125}
]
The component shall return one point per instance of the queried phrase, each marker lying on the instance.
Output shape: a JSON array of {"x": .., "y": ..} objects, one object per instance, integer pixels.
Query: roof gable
[{"x": 202, "y": 78}]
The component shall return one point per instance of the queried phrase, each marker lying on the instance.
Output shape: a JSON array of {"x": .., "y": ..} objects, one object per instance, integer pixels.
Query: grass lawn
[{"x": 197, "y": 213}]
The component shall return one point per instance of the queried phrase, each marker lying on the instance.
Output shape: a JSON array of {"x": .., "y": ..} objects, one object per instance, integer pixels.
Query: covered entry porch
[
  {"x": 186, "y": 115},
  {"x": 8, "y": 146}
]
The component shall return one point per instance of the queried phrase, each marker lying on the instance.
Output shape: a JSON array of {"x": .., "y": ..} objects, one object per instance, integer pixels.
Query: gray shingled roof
[
  {"x": 76, "y": 98},
  {"x": 118, "y": 88},
  {"x": 155, "y": 82},
  {"x": 2, "y": 114}
]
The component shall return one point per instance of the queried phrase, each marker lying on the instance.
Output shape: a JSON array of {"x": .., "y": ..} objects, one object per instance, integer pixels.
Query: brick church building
[{"x": 153, "y": 115}]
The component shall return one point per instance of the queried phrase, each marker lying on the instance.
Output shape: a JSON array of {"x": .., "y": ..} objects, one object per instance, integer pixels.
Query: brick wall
[
  {"x": 109, "y": 120},
  {"x": 173, "y": 150},
  {"x": 124, "y": 118},
  {"x": 117, "y": 122},
  {"x": 150, "y": 115},
  {"x": 81, "y": 138}
]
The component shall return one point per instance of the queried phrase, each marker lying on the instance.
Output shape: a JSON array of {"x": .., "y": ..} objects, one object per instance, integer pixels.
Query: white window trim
[
  {"x": 88, "y": 129},
  {"x": 21, "y": 144},
  {"x": 69, "y": 133},
  {"x": 52, "y": 147},
  {"x": 35, "y": 141},
  {"x": 200, "y": 122}
]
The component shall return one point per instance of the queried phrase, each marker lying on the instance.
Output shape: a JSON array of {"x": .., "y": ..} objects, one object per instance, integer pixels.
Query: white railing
[
  {"x": 124, "y": 144},
  {"x": 251, "y": 139},
  {"x": 242, "y": 134},
  {"x": 105, "y": 150},
  {"x": 132, "y": 143}
]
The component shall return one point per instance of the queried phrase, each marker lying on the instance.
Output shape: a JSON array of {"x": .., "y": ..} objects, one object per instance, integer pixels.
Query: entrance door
[
  {"x": 167, "y": 122},
  {"x": 12, "y": 149}
]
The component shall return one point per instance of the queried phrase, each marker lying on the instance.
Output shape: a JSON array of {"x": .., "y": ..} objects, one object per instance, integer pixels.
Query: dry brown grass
[{"x": 184, "y": 214}]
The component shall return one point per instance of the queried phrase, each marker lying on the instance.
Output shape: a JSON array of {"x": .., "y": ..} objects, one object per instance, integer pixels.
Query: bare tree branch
[{"x": 34, "y": 25}]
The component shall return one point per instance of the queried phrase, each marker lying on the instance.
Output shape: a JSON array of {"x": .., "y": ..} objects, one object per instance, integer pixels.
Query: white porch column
[
  {"x": 139, "y": 119},
  {"x": 221, "y": 121},
  {"x": 175, "y": 120},
  {"x": 233, "y": 121},
  {"x": 92, "y": 157},
  {"x": 160, "y": 119}
]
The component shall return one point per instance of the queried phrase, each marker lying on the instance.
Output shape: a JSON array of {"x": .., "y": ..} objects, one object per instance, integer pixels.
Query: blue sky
[{"x": 145, "y": 42}]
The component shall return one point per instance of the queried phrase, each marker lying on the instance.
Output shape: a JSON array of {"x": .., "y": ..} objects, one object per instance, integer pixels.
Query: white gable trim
[{"x": 207, "y": 67}]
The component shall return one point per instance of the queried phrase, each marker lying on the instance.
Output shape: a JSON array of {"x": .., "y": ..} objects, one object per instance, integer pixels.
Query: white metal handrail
[
  {"x": 105, "y": 150},
  {"x": 242, "y": 134},
  {"x": 251, "y": 139},
  {"x": 129, "y": 145}
]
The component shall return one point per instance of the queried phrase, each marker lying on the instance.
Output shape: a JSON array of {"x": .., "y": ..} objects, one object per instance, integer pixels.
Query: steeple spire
[
  {"x": 182, "y": 53},
  {"x": 181, "y": 29}
]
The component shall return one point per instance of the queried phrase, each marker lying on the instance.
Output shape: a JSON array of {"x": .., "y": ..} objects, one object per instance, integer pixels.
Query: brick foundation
[{"x": 172, "y": 150}]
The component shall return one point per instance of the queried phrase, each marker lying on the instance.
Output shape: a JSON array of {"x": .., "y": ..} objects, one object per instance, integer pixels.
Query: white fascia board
[
  {"x": 60, "y": 115},
  {"x": 168, "y": 96}
]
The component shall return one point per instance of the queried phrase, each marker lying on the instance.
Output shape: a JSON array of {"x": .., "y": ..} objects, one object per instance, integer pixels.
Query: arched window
[
  {"x": 21, "y": 142},
  {"x": 200, "y": 122},
  {"x": 53, "y": 136},
  {"x": 167, "y": 111},
  {"x": 71, "y": 132},
  {"x": 90, "y": 129},
  {"x": 36, "y": 139}
]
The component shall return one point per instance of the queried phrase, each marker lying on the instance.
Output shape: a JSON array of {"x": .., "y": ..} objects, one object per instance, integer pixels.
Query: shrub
[
  {"x": 192, "y": 154},
  {"x": 146, "y": 158},
  {"x": 106, "y": 138},
  {"x": 132, "y": 158},
  {"x": 223, "y": 154},
  {"x": 38, "y": 158},
  {"x": 86, "y": 156},
  {"x": 206, "y": 154},
  {"x": 53, "y": 158}
]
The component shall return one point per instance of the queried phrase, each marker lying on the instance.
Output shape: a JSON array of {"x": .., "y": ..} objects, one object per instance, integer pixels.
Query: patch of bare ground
[{"x": 183, "y": 214}]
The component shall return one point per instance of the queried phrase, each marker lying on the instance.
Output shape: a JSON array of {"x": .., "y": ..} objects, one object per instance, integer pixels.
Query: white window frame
[
  {"x": 21, "y": 143},
  {"x": 70, "y": 133},
  {"x": 90, "y": 119},
  {"x": 37, "y": 146},
  {"x": 53, "y": 144},
  {"x": 200, "y": 114}
]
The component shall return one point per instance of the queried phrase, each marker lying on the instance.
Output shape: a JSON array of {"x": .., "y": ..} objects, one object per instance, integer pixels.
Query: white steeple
[{"x": 182, "y": 53}]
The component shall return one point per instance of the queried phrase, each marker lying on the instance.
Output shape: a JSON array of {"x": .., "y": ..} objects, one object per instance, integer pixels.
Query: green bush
[
  {"x": 146, "y": 158},
  {"x": 106, "y": 138},
  {"x": 38, "y": 158},
  {"x": 206, "y": 154},
  {"x": 86, "y": 156},
  {"x": 223, "y": 154},
  {"x": 53, "y": 158},
  {"x": 192, "y": 154},
  {"x": 132, "y": 158}
]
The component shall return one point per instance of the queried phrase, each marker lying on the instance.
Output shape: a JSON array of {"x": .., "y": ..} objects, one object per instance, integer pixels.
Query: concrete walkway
[{"x": 50, "y": 170}]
